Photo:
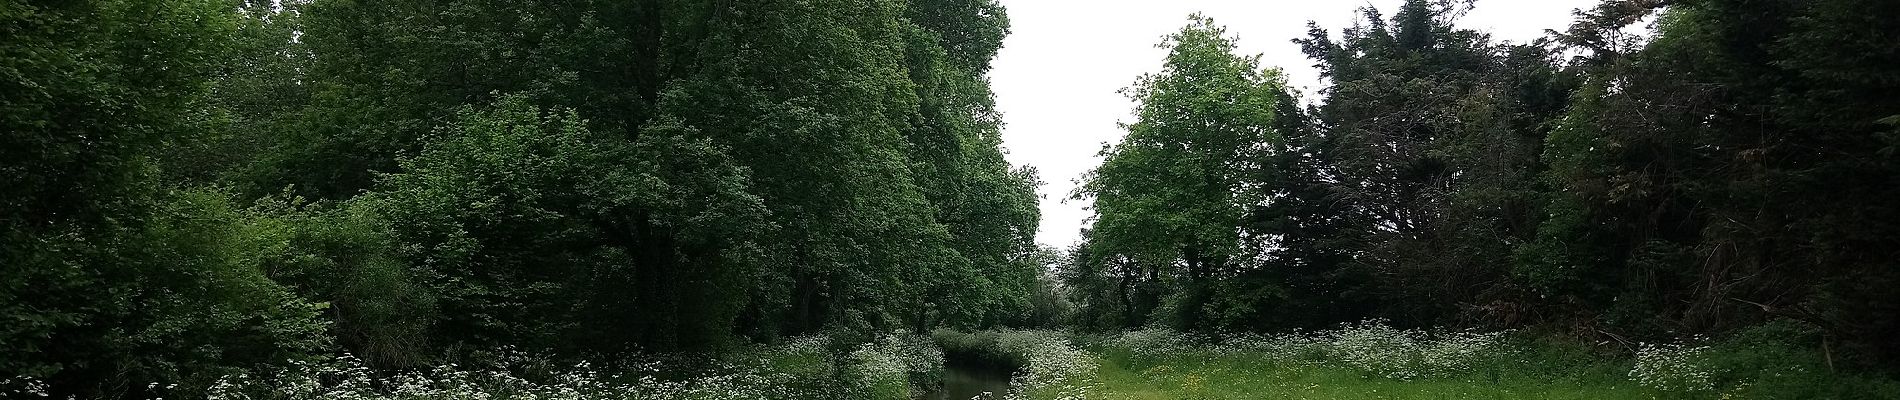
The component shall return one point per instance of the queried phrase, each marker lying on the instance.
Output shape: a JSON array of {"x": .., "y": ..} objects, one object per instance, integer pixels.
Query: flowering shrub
[
  {"x": 1374, "y": 348},
  {"x": 1460, "y": 351},
  {"x": 923, "y": 360},
  {"x": 894, "y": 364},
  {"x": 1055, "y": 370},
  {"x": 1155, "y": 343},
  {"x": 345, "y": 378},
  {"x": 1370, "y": 347},
  {"x": 802, "y": 368},
  {"x": 1377, "y": 349},
  {"x": 1296, "y": 347},
  {"x": 1673, "y": 368},
  {"x": 22, "y": 388}
]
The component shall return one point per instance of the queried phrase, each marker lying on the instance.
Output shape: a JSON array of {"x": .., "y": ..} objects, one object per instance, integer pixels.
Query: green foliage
[
  {"x": 211, "y": 308},
  {"x": 1405, "y": 193},
  {"x": 109, "y": 282},
  {"x": 1169, "y": 197},
  {"x": 384, "y": 74},
  {"x": 195, "y": 189},
  {"x": 681, "y": 212},
  {"x": 851, "y": 180},
  {"x": 531, "y": 229},
  {"x": 194, "y": 300},
  {"x": 258, "y": 88},
  {"x": 879, "y": 162},
  {"x": 345, "y": 257},
  {"x": 1782, "y": 359},
  {"x": 1726, "y": 173},
  {"x": 1433, "y": 137}
]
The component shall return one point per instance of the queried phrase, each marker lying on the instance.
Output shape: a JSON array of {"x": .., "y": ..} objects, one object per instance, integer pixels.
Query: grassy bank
[
  {"x": 1240, "y": 379},
  {"x": 1372, "y": 361},
  {"x": 1124, "y": 374},
  {"x": 888, "y": 367},
  {"x": 1357, "y": 361}
]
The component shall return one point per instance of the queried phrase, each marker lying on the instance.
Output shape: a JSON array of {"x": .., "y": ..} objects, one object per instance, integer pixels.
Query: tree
[
  {"x": 257, "y": 93},
  {"x": 1302, "y": 238},
  {"x": 917, "y": 221},
  {"x": 1434, "y": 134},
  {"x": 956, "y": 155},
  {"x": 421, "y": 181},
  {"x": 1169, "y": 198}
]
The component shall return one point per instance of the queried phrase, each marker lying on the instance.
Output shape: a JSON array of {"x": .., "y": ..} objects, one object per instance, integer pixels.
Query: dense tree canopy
[
  {"x": 1170, "y": 196},
  {"x": 194, "y": 189},
  {"x": 1728, "y": 170},
  {"x": 1738, "y": 167},
  {"x": 427, "y": 179}
]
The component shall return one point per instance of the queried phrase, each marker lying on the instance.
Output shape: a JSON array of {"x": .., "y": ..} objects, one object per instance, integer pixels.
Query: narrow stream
[{"x": 965, "y": 382}]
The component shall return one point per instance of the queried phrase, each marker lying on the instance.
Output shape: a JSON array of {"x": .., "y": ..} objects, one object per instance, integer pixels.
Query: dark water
[{"x": 963, "y": 383}]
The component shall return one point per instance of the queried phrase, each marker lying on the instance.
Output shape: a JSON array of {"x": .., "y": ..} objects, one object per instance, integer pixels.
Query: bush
[
  {"x": 1778, "y": 360},
  {"x": 344, "y": 256},
  {"x": 893, "y": 365},
  {"x": 1674, "y": 367},
  {"x": 207, "y": 305}
]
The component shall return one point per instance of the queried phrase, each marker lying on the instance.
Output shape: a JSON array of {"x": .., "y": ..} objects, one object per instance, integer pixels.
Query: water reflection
[{"x": 964, "y": 383}]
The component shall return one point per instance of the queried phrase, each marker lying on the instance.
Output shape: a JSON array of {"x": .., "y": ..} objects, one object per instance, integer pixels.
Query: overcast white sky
[{"x": 1056, "y": 77}]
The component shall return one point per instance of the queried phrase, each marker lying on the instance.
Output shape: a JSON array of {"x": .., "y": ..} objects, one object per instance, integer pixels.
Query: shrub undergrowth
[{"x": 809, "y": 367}]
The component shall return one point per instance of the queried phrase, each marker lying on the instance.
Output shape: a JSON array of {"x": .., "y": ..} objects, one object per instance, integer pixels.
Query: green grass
[
  {"x": 1240, "y": 377},
  {"x": 1370, "y": 361}
]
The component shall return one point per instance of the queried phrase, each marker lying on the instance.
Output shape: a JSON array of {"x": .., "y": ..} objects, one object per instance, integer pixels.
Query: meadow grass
[
  {"x": 1366, "y": 360},
  {"x": 1373, "y": 361},
  {"x": 1121, "y": 376}
]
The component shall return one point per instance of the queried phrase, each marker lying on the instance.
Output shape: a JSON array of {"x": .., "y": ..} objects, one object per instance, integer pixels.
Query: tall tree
[
  {"x": 1169, "y": 198},
  {"x": 874, "y": 147},
  {"x": 1301, "y": 239},
  {"x": 956, "y": 154},
  {"x": 1435, "y": 133}
]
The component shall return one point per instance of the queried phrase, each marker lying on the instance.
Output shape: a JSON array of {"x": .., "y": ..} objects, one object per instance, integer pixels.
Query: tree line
[
  {"x": 1737, "y": 165},
  {"x": 196, "y": 187}
]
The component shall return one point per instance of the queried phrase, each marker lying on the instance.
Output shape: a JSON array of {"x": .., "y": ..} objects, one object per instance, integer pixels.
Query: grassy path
[{"x": 1241, "y": 378}]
